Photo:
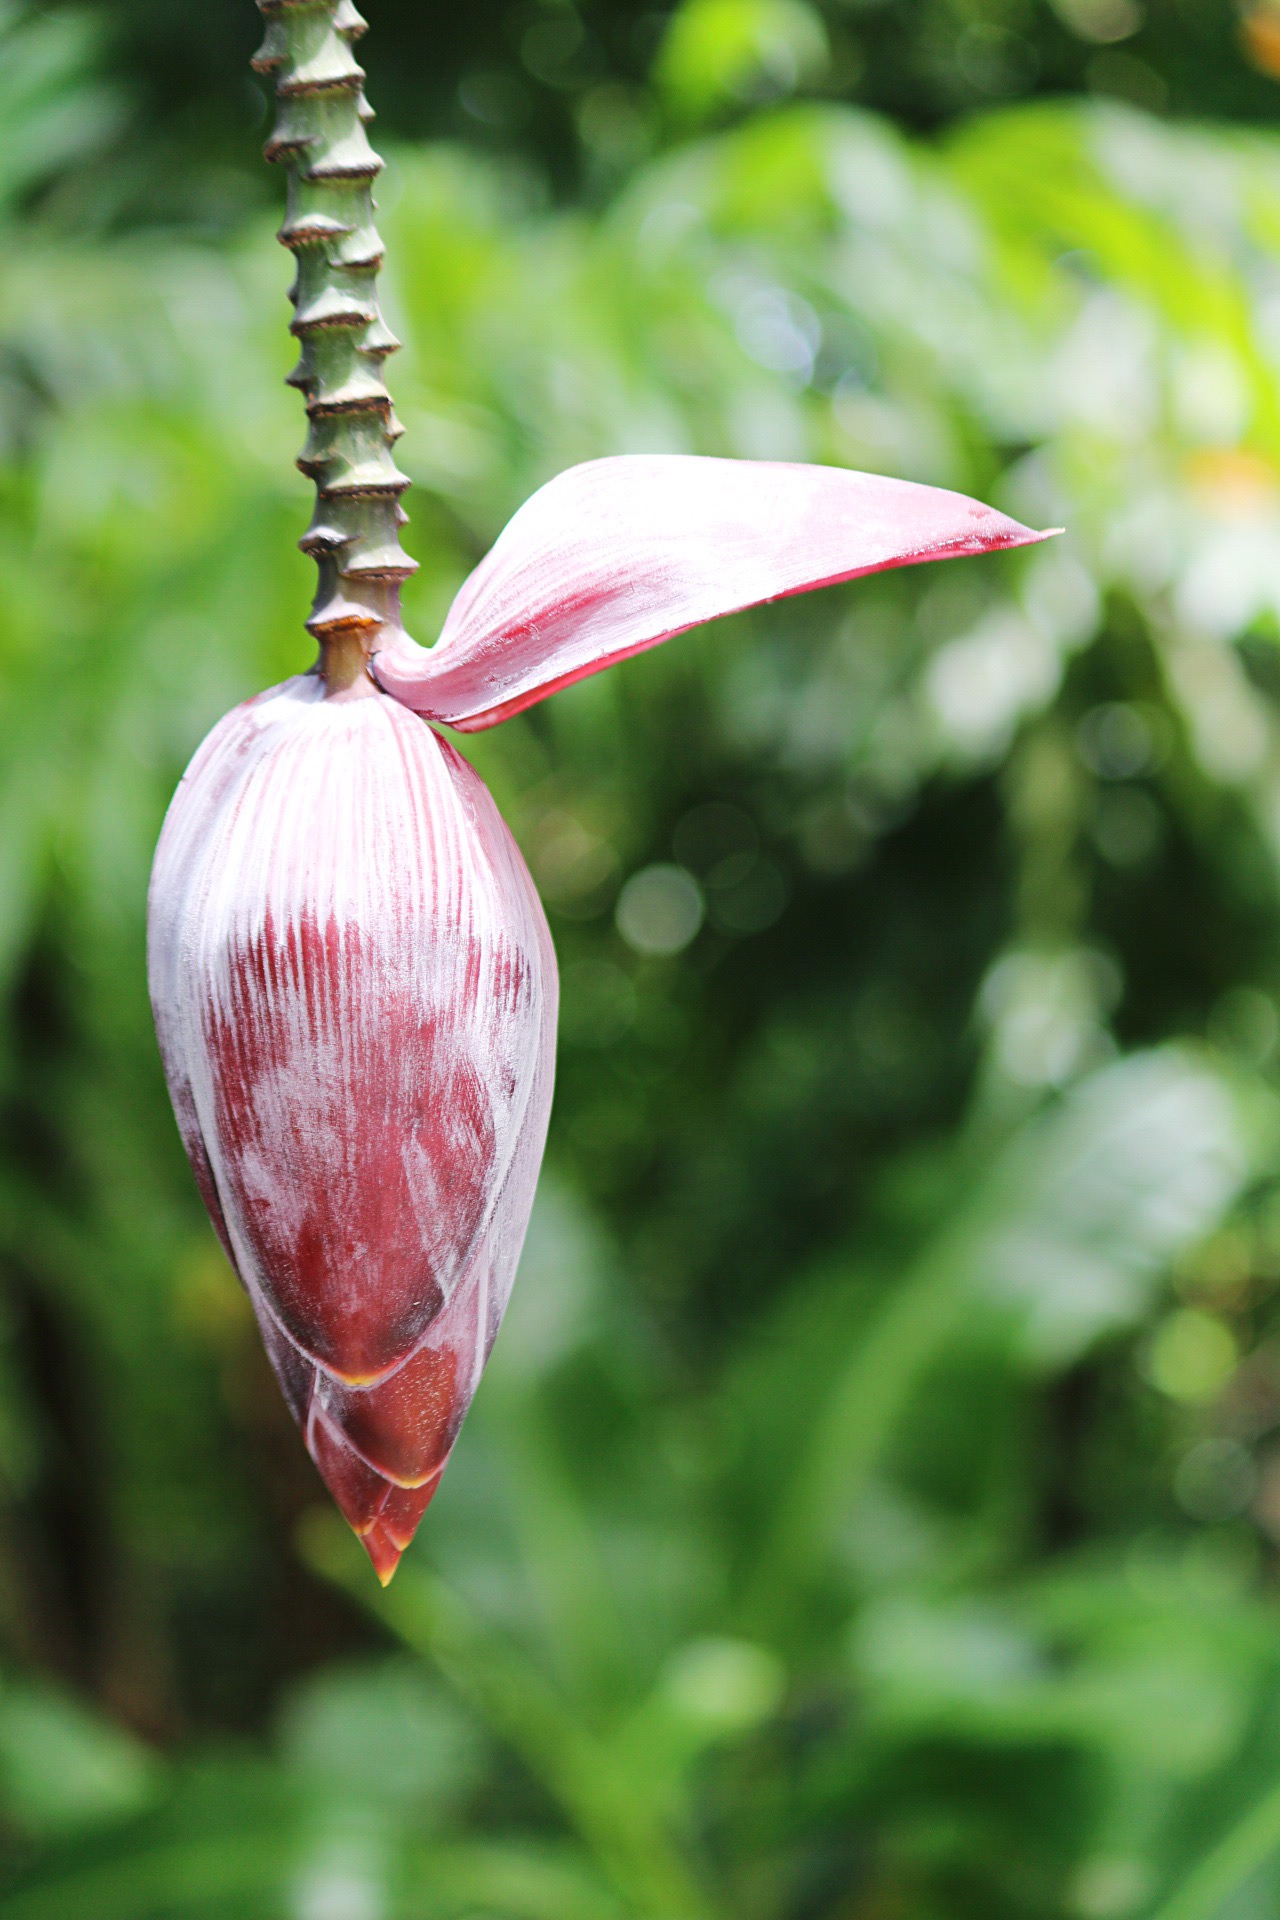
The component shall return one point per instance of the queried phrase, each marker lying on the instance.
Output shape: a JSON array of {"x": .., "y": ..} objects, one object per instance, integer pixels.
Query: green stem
[
  {"x": 240, "y": 1869},
  {"x": 850, "y": 1434},
  {"x": 622, "y": 1830},
  {"x": 1238, "y": 1855},
  {"x": 354, "y": 536}
]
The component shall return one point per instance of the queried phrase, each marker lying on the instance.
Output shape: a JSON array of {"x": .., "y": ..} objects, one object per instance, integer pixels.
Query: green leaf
[
  {"x": 718, "y": 53},
  {"x": 1063, "y": 1237},
  {"x": 63, "y": 1768}
]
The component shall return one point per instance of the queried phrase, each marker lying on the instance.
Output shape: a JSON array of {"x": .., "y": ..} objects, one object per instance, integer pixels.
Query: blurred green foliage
[
  {"x": 582, "y": 87},
  {"x": 873, "y": 1505}
]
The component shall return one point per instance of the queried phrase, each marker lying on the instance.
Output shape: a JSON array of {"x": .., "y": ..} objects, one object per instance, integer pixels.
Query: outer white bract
[{"x": 355, "y": 996}]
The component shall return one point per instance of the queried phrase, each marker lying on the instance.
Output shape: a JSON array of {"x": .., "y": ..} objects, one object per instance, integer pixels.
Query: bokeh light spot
[
  {"x": 660, "y": 910},
  {"x": 1192, "y": 1356}
]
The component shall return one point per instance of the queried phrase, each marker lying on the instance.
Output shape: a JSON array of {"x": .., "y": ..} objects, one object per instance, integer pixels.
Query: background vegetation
[{"x": 873, "y": 1506}]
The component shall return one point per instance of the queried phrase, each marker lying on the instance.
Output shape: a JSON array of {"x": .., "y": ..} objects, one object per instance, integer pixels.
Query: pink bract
[
  {"x": 353, "y": 980},
  {"x": 614, "y": 556}
]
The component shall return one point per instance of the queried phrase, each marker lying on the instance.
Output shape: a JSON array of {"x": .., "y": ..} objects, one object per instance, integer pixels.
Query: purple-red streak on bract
[{"x": 353, "y": 981}]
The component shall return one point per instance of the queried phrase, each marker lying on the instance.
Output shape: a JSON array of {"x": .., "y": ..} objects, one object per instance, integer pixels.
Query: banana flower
[{"x": 353, "y": 981}]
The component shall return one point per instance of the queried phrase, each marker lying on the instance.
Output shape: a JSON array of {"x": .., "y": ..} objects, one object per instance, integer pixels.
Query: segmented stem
[{"x": 319, "y": 133}]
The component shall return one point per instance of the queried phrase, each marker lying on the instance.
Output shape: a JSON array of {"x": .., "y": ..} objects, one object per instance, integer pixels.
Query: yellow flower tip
[{"x": 382, "y": 1550}]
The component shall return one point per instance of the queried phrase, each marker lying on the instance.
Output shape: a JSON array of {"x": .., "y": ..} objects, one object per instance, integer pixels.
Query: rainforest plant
[
  {"x": 841, "y": 1524},
  {"x": 354, "y": 984}
]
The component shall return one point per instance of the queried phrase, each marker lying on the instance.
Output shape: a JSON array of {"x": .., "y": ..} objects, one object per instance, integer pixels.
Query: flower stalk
[{"x": 329, "y": 227}]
